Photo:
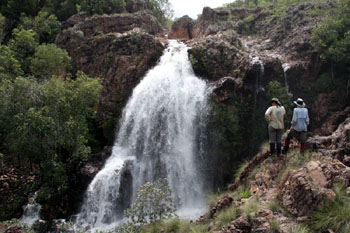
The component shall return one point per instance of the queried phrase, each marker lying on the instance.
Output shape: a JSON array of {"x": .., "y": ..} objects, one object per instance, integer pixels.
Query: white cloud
[{"x": 194, "y": 7}]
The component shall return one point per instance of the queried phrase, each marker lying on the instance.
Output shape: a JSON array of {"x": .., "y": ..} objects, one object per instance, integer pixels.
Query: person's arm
[
  {"x": 307, "y": 117},
  {"x": 268, "y": 114},
  {"x": 294, "y": 119}
]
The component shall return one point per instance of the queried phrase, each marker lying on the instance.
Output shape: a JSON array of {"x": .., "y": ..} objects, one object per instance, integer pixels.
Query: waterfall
[
  {"x": 285, "y": 67},
  {"x": 159, "y": 137},
  {"x": 31, "y": 212}
]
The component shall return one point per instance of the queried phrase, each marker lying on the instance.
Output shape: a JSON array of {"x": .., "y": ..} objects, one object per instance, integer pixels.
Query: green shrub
[
  {"x": 245, "y": 194},
  {"x": 153, "y": 203}
]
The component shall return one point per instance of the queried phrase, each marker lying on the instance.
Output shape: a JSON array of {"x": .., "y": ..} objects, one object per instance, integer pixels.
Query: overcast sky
[{"x": 194, "y": 7}]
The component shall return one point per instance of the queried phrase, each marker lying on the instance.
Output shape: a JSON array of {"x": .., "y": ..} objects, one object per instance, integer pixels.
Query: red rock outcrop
[
  {"x": 181, "y": 29},
  {"x": 310, "y": 187}
]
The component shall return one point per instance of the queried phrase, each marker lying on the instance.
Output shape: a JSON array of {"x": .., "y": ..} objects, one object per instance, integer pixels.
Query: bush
[{"x": 153, "y": 203}]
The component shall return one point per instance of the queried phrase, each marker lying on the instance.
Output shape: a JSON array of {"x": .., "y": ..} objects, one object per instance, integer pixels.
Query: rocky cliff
[{"x": 119, "y": 49}]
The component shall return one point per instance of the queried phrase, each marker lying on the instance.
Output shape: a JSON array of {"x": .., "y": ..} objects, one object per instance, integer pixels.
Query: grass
[
  {"x": 226, "y": 216},
  {"x": 274, "y": 205},
  {"x": 299, "y": 229},
  {"x": 175, "y": 225},
  {"x": 335, "y": 215},
  {"x": 274, "y": 226},
  {"x": 250, "y": 207}
]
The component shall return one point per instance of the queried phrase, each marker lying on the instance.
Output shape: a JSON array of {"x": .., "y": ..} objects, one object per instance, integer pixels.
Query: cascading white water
[
  {"x": 159, "y": 136},
  {"x": 31, "y": 212},
  {"x": 285, "y": 67}
]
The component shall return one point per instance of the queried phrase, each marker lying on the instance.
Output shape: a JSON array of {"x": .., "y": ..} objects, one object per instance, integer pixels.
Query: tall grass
[
  {"x": 335, "y": 215},
  {"x": 226, "y": 216}
]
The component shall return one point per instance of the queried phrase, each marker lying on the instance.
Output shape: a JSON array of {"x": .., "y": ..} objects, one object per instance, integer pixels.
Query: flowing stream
[{"x": 161, "y": 133}]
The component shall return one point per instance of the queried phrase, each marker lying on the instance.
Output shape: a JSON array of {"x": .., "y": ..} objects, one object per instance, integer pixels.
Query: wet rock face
[
  {"x": 118, "y": 48},
  {"x": 181, "y": 29},
  {"x": 308, "y": 188}
]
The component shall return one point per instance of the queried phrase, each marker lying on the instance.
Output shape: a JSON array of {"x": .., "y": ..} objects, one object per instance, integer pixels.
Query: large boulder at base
[
  {"x": 181, "y": 29},
  {"x": 120, "y": 49},
  {"x": 310, "y": 187}
]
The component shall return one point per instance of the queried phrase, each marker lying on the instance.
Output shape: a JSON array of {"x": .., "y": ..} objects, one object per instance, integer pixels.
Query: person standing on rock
[
  {"x": 274, "y": 116},
  {"x": 298, "y": 130}
]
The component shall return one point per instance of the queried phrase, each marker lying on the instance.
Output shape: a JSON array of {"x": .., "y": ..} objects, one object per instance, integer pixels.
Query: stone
[
  {"x": 306, "y": 189},
  {"x": 181, "y": 29}
]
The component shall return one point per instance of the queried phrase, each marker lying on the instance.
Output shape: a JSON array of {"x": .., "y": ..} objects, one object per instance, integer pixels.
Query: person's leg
[
  {"x": 302, "y": 142},
  {"x": 287, "y": 141},
  {"x": 279, "y": 133},
  {"x": 272, "y": 140}
]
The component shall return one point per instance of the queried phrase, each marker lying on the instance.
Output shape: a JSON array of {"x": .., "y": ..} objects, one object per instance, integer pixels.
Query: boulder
[
  {"x": 218, "y": 56},
  {"x": 306, "y": 189},
  {"x": 181, "y": 29}
]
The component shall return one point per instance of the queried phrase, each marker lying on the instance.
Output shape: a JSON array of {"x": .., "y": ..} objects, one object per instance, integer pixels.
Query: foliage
[
  {"x": 162, "y": 10},
  {"x": 15, "y": 222},
  {"x": 23, "y": 45},
  {"x": 174, "y": 225},
  {"x": 103, "y": 6},
  {"x": 332, "y": 37},
  {"x": 335, "y": 215},
  {"x": 9, "y": 65},
  {"x": 49, "y": 60},
  {"x": 44, "y": 24},
  {"x": 62, "y": 9},
  {"x": 153, "y": 203},
  {"x": 47, "y": 124},
  {"x": 2, "y": 27},
  {"x": 12, "y": 9},
  {"x": 245, "y": 194},
  {"x": 275, "y": 89}
]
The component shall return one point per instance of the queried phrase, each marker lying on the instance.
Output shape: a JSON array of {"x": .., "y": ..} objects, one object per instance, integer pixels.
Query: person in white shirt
[
  {"x": 274, "y": 116},
  {"x": 298, "y": 130}
]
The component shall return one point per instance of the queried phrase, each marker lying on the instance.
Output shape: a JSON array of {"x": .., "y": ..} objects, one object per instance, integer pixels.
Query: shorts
[{"x": 300, "y": 135}]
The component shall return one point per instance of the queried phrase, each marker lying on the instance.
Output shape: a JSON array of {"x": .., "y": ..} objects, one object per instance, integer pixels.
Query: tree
[
  {"x": 45, "y": 25},
  {"x": 23, "y": 45},
  {"x": 49, "y": 60},
  {"x": 2, "y": 27},
  {"x": 332, "y": 37},
  {"x": 162, "y": 10},
  {"x": 153, "y": 203},
  {"x": 10, "y": 68}
]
